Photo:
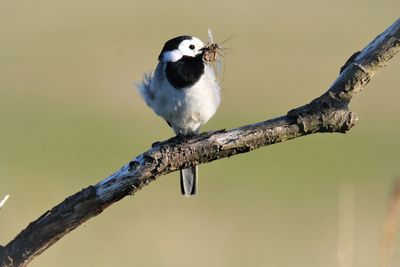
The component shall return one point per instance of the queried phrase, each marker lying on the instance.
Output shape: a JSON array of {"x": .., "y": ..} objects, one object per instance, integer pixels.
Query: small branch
[
  {"x": 3, "y": 201},
  {"x": 326, "y": 114}
]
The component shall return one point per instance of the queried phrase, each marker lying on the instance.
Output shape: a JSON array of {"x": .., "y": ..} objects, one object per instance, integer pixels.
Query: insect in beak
[{"x": 210, "y": 52}]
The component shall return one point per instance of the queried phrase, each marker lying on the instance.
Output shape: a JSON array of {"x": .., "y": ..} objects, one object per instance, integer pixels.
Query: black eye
[{"x": 191, "y": 47}]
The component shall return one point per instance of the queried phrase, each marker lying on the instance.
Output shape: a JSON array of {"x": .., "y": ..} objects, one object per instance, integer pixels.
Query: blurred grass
[{"x": 70, "y": 116}]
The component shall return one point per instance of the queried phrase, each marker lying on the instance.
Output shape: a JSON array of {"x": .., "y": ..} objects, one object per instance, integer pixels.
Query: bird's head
[{"x": 179, "y": 47}]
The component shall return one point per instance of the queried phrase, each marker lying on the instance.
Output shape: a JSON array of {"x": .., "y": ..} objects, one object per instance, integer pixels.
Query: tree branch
[{"x": 327, "y": 113}]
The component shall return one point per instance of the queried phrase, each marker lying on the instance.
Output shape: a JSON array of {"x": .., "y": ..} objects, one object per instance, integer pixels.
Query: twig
[
  {"x": 390, "y": 228},
  {"x": 4, "y": 200},
  {"x": 327, "y": 113}
]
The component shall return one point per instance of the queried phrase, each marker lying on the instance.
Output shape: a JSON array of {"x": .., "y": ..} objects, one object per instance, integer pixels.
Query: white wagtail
[{"x": 184, "y": 91}]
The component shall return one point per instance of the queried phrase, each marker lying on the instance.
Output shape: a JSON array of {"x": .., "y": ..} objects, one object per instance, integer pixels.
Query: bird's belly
[{"x": 189, "y": 108}]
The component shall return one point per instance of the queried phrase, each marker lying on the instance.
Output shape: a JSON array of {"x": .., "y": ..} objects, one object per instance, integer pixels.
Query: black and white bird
[{"x": 184, "y": 91}]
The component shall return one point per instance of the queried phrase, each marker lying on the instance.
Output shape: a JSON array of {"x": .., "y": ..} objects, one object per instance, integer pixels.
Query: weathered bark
[{"x": 326, "y": 114}]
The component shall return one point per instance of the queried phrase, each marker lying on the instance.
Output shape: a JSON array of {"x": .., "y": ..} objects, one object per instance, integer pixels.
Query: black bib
[{"x": 185, "y": 72}]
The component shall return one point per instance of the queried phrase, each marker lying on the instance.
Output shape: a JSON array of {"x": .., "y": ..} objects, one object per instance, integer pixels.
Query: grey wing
[
  {"x": 148, "y": 87},
  {"x": 145, "y": 88}
]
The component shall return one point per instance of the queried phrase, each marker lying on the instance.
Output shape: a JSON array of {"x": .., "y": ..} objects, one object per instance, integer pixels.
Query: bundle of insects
[{"x": 212, "y": 51}]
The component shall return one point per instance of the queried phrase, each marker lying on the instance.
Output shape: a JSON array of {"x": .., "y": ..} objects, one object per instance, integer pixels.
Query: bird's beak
[{"x": 202, "y": 51}]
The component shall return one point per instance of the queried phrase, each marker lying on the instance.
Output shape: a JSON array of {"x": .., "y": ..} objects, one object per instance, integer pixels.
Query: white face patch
[
  {"x": 191, "y": 47},
  {"x": 172, "y": 56}
]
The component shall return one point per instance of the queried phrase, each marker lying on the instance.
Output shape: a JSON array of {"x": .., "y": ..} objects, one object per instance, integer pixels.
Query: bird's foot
[{"x": 160, "y": 143}]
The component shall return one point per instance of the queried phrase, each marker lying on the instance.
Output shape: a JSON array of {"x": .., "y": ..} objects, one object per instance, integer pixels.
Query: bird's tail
[{"x": 189, "y": 181}]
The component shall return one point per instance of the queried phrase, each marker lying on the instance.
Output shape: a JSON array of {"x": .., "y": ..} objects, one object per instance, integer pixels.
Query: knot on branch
[
  {"x": 320, "y": 116},
  {"x": 340, "y": 121}
]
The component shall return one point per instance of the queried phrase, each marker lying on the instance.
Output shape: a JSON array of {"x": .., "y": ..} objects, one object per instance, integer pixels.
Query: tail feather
[{"x": 189, "y": 181}]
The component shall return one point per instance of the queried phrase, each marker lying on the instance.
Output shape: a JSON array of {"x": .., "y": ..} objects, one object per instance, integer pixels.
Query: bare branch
[{"x": 327, "y": 113}]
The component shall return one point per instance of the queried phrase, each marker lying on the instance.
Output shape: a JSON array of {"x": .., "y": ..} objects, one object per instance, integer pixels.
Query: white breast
[{"x": 188, "y": 108}]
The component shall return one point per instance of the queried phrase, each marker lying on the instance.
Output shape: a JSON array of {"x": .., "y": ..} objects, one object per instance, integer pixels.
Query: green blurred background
[{"x": 70, "y": 116}]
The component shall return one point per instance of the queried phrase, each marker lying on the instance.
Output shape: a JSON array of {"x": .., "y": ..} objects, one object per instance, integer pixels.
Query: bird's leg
[
  {"x": 213, "y": 132},
  {"x": 184, "y": 137},
  {"x": 160, "y": 143}
]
